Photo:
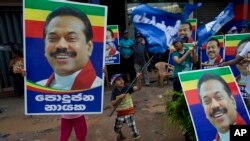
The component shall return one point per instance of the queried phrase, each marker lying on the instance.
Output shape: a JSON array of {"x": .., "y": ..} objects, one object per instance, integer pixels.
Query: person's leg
[
  {"x": 80, "y": 128},
  {"x": 145, "y": 75},
  {"x": 177, "y": 88},
  {"x": 66, "y": 128},
  {"x": 117, "y": 128},
  {"x": 130, "y": 121}
]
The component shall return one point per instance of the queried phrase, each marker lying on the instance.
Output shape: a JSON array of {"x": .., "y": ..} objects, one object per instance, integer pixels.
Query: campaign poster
[
  {"x": 112, "y": 54},
  {"x": 214, "y": 102},
  {"x": 219, "y": 53},
  {"x": 234, "y": 43},
  {"x": 193, "y": 23},
  {"x": 64, "y": 56}
]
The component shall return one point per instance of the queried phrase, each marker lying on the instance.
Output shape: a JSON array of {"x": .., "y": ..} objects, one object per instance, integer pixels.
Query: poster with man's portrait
[
  {"x": 64, "y": 57},
  {"x": 234, "y": 44},
  {"x": 212, "y": 53},
  {"x": 112, "y": 54},
  {"x": 193, "y": 23},
  {"x": 214, "y": 102}
]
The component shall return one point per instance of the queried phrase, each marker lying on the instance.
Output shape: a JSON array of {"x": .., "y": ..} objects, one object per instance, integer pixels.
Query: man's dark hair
[
  {"x": 68, "y": 11},
  {"x": 211, "y": 76},
  {"x": 216, "y": 40},
  {"x": 188, "y": 23},
  {"x": 111, "y": 31}
]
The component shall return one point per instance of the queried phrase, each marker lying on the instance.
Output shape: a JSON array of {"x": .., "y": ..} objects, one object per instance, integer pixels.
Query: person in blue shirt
[{"x": 126, "y": 45}]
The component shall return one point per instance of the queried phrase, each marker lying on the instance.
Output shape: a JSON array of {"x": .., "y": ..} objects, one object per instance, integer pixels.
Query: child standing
[{"x": 125, "y": 109}]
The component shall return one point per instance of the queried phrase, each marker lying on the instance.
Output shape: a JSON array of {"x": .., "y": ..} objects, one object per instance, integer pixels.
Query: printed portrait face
[
  {"x": 108, "y": 46},
  {"x": 219, "y": 107},
  {"x": 66, "y": 48},
  {"x": 212, "y": 49},
  {"x": 109, "y": 35},
  {"x": 185, "y": 30},
  {"x": 243, "y": 65}
]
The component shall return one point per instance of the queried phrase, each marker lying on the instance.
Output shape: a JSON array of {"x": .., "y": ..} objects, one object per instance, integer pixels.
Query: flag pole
[{"x": 131, "y": 85}]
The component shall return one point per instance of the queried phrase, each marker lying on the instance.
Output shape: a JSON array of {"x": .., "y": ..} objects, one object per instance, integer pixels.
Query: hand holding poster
[
  {"x": 214, "y": 102},
  {"x": 63, "y": 42}
]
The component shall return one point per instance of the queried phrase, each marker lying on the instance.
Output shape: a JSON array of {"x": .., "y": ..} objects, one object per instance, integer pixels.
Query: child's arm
[
  {"x": 117, "y": 100},
  {"x": 138, "y": 82}
]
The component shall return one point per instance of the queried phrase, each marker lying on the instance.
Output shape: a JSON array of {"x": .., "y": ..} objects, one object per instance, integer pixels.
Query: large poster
[
  {"x": 64, "y": 57},
  {"x": 234, "y": 43},
  {"x": 214, "y": 102},
  {"x": 112, "y": 55},
  {"x": 212, "y": 53}
]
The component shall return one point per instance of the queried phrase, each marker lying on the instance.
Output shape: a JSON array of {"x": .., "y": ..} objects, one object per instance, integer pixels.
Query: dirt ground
[{"x": 150, "y": 119}]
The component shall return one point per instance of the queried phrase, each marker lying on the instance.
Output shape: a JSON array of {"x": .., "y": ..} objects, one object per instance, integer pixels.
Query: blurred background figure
[
  {"x": 127, "y": 56},
  {"x": 16, "y": 68},
  {"x": 244, "y": 28},
  {"x": 233, "y": 30},
  {"x": 140, "y": 55}
]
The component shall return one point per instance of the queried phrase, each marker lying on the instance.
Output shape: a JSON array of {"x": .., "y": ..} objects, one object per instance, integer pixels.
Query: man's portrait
[
  {"x": 214, "y": 102},
  {"x": 110, "y": 35},
  {"x": 112, "y": 55},
  {"x": 219, "y": 104},
  {"x": 64, "y": 57},
  {"x": 68, "y": 46},
  {"x": 212, "y": 53},
  {"x": 185, "y": 32}
]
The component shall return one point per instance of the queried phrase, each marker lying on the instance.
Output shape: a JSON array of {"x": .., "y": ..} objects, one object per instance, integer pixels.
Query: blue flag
[
  {"x": 210, "y": 29},
  {"x": 159, "y": 27}
]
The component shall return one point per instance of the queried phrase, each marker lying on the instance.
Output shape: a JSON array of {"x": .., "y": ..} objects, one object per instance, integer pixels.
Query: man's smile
[
  {"x": 216, "y": 113},
  {"x": 62, "y": 54}
]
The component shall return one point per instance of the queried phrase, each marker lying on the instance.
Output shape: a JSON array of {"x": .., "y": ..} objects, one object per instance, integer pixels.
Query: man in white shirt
[{"x": 242, "y": 57}]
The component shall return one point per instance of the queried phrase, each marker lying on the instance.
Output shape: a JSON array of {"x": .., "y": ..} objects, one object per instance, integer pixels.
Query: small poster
[
  {"x": 112, "y": 55},
  {"x": 212, "y": 53},
  {"x": 193, "y": 23}
]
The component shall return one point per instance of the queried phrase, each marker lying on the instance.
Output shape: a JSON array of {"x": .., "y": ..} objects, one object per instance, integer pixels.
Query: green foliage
[{"x": 177, "y": 112}]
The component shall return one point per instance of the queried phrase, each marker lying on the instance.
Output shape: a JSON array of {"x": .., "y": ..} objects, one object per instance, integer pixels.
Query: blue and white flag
[
  {"x": 159, "y": 27},
  {"x": 205, "y": 32}
]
